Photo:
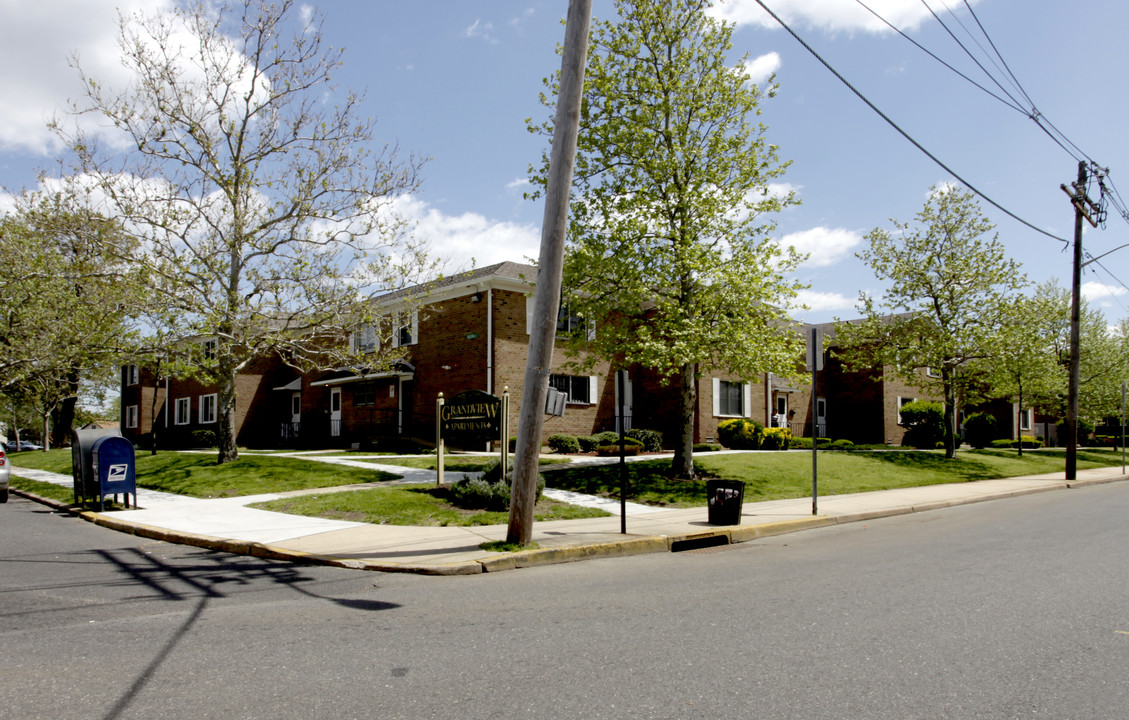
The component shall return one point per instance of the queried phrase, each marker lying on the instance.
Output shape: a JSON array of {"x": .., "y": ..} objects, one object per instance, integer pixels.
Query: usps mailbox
[
  {"x": 82, "y": 443},
  {"x": 114, "y": 467}
]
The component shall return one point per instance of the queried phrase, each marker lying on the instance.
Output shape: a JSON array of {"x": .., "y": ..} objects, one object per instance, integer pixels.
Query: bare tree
[{"x": 265, "y": 212}]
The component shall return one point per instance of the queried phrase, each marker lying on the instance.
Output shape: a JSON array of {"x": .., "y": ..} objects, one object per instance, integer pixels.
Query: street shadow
[{"x": 208, "y": 577}]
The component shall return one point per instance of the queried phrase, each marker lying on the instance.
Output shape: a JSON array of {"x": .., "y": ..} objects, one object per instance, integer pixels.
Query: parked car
[
  {"x": 5, "y": 476},
  {"x": 18, "y": 445}
]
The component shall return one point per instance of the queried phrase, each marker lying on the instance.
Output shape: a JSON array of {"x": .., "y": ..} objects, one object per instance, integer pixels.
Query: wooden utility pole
[
  {"x": 546, "y": 300},
  {"x": 1081, "y": 203}
]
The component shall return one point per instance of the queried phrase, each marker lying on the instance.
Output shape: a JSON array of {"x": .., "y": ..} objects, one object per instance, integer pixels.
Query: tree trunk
[
  {"x": 950, "y": 414},
  {"x": 683, "y": 463},
  {"x": 228, "y": 451}
]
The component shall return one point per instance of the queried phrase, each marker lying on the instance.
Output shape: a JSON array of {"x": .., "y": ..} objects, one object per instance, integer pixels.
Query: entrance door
[
  {"x": 335, "y": 412},
  {"x": 780, "y": 419}
]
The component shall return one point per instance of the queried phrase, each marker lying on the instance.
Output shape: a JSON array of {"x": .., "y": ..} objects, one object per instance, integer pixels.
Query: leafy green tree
[
  {"x": 69, "y": 305},
  {"x": 264, "y": 209},
  {"x": 670, "y": 257},
  {"x": 949, "y": 284}
]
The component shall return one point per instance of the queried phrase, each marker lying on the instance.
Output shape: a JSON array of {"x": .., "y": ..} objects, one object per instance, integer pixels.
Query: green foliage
[
  {"x": 980, "y": 430},
  {"x": 652, "y": 439},
  {"x": 924, "y": 422},
  {"x": 740, "y": 434},
  {"x": 631, "y": 446},
  {"x": 564, "y": 444},
  {"x": 1085, "y": 431},
  {"x": 490, "y": 491},
  {"x": 203, "y": 439},
  {"x": 841, "y": 444},
  {"x": 706, "y": 447},
  {"x": 950, "y": 284},
  {"x": 1026, "y": 442},
  {"x": 671, "y": 253},
  {"x": 776, "y": 439}
]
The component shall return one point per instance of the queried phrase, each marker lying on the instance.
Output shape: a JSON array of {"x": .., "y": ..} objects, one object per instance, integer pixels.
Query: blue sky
[{"x": 454, "y": 80}]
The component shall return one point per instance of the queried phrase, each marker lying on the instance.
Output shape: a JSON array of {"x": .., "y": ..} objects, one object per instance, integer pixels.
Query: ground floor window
[
  {"x": 131, "y": 416},
  {"x": 730, "y": 398},
  {"x": 576, "y": 388},
  {"x": 364, "y": 394},
  {"x": 207, "y": 409},
  {"x": 183, "y": 414},
  {"x": 1025, "y": 419}
]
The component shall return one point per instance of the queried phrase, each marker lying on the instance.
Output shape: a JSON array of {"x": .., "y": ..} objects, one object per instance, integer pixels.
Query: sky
[{"x": 455, "y": 80}]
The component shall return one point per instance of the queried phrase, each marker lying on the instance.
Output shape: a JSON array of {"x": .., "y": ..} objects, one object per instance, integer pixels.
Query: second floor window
[
  {"x": 132, "y": 375},
  {"x": 365, "y": 340},
  {"x": 406, "y": 330}
]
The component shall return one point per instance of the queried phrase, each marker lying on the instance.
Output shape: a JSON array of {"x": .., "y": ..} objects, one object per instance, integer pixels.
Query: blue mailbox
[{"x": 114, "y": 468}]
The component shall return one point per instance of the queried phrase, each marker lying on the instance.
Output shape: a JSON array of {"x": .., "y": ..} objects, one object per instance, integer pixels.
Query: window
[
  {"x": 578, "y": 389},
  {"x": 570, "y": 325},
  {"x": 730, "y": 398},
  {"x": 407, "y": 329},
  {"x": 209, "y": 346},
  {"x": 207, "y": 408},
  {"x": 131, "y": 416},
  {"x": 132, "y": 375},
  {"x": 365, "y": 340},
  {"x": 364, "y": 394},
  {"x": 932, "y": 372},
  {"x": 1025, "y": 419},
  {"x": 902, "y": 401},
  {"x": 183, "y": 414}
]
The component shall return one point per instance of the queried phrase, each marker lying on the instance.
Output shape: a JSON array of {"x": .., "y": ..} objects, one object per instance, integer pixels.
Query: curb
[{"x": 730, "y": 535}]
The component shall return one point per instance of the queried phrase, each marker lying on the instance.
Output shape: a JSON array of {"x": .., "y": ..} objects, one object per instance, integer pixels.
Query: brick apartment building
[{"x": 470, "y": 332}]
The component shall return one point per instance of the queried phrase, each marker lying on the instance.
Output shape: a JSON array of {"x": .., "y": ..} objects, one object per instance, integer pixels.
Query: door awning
[{"x": 295, "y": 384}]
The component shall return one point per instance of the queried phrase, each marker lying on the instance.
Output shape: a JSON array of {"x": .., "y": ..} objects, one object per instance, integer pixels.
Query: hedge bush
[
  {"x": 1005, "y": 443},
  {"x": 980, "y": 430},
  {"x": 842, "y": 444},
  {"x": 740, "y": 434},
  {"x": 652, "y": 439},
  {"x": 706, "y": 447},
  {"x": 564, "y": 444},
  {"x": 776, "y": 439},
  {"x": 490, "y": 491},
  {"x": 924, "y": 422},
  {"x": 613, "y": 450}
]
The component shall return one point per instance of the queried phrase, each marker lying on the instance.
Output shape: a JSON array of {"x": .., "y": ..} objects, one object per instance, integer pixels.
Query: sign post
[
  {"x": 439, "y": 441},
  {"x": 815, "y": 364}
]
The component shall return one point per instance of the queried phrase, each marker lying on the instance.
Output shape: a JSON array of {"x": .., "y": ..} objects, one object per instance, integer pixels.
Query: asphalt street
[{"x": 1009, "y": 609}]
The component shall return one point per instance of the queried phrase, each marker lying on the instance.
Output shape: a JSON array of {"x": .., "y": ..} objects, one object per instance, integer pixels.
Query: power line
[{"x": 902, "y": 132}]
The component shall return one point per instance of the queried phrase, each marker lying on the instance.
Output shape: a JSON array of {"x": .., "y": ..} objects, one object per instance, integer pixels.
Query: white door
[
  {"x": 296, "y": 408},
  {"x": 335, "y": 412}
]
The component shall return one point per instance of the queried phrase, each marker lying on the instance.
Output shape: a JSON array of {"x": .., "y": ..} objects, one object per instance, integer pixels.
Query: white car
[{"x": 5, "y": 474}]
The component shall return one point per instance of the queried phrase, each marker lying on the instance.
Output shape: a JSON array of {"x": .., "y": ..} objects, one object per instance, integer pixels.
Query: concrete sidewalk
[{"x": 228, "y": 525}]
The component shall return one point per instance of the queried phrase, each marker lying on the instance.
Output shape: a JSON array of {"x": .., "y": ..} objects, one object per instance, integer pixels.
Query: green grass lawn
[
  {"x": 412, "y": 505},
  {"x": 455, "y": 463},
  {"x": 197, "y": 475},
  {"x": 777, "y": 476}
]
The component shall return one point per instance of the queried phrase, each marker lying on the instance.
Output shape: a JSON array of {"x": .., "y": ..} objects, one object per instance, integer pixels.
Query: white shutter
[
  {"x": 716, "y": 396},
  {"x": 593, "y": 389},
  {"x": 747, "y": 400}
]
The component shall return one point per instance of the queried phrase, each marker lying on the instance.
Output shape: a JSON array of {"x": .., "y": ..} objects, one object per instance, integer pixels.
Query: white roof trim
[{"x": 360, "y": 378}]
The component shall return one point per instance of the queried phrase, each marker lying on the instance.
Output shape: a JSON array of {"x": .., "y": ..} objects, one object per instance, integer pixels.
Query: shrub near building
[{"x": 740, "y": 434}]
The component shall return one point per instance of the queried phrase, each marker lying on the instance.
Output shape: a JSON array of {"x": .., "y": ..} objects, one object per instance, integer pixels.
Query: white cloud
[
  {"x": 827, "y": 15},
  {"x": 823, "y": 301},
  {"x": 762, "y": 68},
  {"x": 36, "y": 41},
  {"x": 1096, "y": 290},
  {"x": 458, "y": 239},
  {"x": 823, "y": 246},
  {"x": 479, "y": 29}
]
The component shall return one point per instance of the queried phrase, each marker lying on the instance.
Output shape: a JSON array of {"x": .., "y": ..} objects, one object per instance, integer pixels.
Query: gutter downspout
[{"x": 490, "y": 341}]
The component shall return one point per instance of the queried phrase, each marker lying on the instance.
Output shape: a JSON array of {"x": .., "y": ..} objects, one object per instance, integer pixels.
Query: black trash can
[{"x": 725, "y": 499}]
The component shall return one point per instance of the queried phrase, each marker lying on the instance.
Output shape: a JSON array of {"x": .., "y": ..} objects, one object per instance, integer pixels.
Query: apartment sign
[{"x": 472, "y": 415}]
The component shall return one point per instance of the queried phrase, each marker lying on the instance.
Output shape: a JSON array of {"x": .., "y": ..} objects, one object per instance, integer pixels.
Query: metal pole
[
  {"x": 814, "y": 445},
  {"x": 439, "y": 440},
  {"x": 546, "y": 301},
  {"x": 1122, "y": 427},
  {"x": 621, "y": 379}
]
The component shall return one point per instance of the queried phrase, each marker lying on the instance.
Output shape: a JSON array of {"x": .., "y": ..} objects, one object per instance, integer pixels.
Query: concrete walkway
[{"x": 229, "y": 525}]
